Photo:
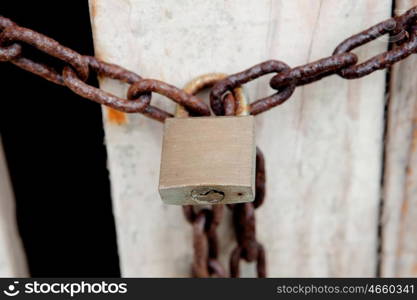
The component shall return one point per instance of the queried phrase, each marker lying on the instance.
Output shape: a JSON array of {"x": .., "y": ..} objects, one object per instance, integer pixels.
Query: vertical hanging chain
[
  {"x": 248, "y": 248},
  {"x": 205, "y": 241},
  {"x": 244, "y": 222},
  {"x": 204, "y": 221}
]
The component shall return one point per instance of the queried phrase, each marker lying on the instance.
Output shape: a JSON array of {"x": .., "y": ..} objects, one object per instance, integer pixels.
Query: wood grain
[
  {"x": 323, "y": 147},
  {"x": 399, "y": 221},
  {"x": 12, "y": 258}
]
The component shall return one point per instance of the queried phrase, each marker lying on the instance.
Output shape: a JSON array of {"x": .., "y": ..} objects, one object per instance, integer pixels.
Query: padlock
[{"x": 208, "y": 160}]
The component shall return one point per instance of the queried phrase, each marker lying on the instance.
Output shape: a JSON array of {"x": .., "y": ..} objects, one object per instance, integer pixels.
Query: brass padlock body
[{"x": 208, "y": 160}]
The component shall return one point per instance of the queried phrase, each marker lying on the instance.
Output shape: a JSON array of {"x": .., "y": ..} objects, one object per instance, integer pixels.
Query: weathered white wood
[
  {"x": 399, "y": 239},
  {"x": 323, "y": 148},
  {"x": 12, "y": 258}
]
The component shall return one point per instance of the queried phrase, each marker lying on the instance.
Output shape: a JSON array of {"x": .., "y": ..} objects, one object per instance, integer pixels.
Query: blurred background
[{"x": 53, "y": 143}]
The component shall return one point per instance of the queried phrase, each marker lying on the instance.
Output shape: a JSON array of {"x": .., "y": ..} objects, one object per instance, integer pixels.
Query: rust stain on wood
[
  {"x": 93, "y": 10},
  {"x": 116, "y": 117}
]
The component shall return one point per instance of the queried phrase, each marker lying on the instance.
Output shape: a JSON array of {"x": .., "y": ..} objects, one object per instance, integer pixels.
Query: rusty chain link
[
  {"x": 235, "y": 80},
  {"x": 205, "y": 240},
  {"x": 77, "y": 69}
]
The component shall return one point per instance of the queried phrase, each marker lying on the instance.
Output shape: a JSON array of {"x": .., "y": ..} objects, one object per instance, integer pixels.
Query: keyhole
[{"x": 206, "y": 195}]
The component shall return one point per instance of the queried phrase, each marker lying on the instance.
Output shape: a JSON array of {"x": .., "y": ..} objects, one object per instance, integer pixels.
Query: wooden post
[
  {"x": 323, "y": 148},
  {"x": 12, "y": 259},
  {"x": 399, "y": 221}
]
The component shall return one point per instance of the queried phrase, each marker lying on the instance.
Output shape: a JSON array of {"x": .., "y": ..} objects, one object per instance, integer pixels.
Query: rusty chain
[
  {"x": 205, "y": 240},
  {"x": 342, "y": 62},
  {"x": 77, "y": 69},
  {"x": 248, "y": 248}
]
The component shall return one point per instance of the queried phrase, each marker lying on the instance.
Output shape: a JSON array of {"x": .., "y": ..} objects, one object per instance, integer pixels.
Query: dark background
[{"x": 54, "y": 144}]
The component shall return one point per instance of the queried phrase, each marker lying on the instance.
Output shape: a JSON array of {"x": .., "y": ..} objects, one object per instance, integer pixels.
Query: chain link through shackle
[
  {"x": 244, "y": 222},
  {"x": 206, "y": 221}
]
